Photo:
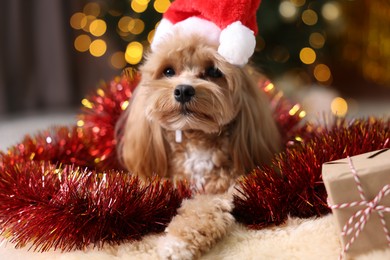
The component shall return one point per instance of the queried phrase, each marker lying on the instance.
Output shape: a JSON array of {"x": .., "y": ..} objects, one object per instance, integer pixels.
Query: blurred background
[{"x": 329, "y": 55}]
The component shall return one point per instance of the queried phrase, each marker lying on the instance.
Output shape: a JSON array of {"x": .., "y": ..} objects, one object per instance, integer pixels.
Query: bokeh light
[
  {"x": 77, "y": 21},
  {"x": 139, "y": 6},
  {"x": 309, "y": 17},
  {"x": 161, "y": 5},
  {"x": 124, "y": 22},
  {"x": 98, "y": 27},
  {"x": 80, "y": 123},
  {"x": 118, "y": 60},
  {"x": 302, "y": 114},
  {"x": 307, "y": 55},
  {"x": 151, "y": 35},
  {"x": 100, "y": 92},
  {"x": 134, "y": 53},
  {"x": 298, "y": 3},
  {"x": 322, "y": 73},
  {"x": 82, "y": 43},
  {"x": 269, "y": 87},
  {"x": 339, "y": 106},
  {"x": 98, "y": 48},
  {"x": 316, "y": 40},
  {"x": 86, "y": 21},
  {"x": 294, "y": 109},
  {"x": 92, "y": 8},
  {"x": 136, "y": 26},
  {"x": 287, "y": 10},
  {"x": 124, "y": 105},
  {"x": 86, "y": 103},
  {"x": 331, "y": 11}
]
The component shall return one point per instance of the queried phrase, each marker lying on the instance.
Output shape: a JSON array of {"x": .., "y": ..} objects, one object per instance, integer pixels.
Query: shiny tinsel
[
  {"x": 100, "y": 115},
  {"x": 49, "y": 206},
  {"x": 63, "y": 189},
  {"x": 292, "y": 184}
]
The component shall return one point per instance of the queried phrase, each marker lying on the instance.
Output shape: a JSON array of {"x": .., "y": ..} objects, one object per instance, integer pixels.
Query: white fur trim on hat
[
  {"x": 237, "y": 43},
  {"x": 163, "y": 29},
  {"x": 190, "y": 26},
  {"x": 195, "y": 25}
]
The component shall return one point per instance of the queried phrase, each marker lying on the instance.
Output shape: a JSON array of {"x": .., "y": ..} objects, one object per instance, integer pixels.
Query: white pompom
[{"x": 237, "y": 43}]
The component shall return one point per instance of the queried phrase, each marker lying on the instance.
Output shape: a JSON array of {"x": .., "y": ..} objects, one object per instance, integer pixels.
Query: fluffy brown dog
[{"x": 195, "y": 116}]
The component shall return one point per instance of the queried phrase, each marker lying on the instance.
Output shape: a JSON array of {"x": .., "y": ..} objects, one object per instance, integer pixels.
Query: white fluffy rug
[{"x": 297, "y": 239}]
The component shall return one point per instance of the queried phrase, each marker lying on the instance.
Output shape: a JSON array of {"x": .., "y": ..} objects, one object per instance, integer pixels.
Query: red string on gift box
[{"x": 365, "y": 213}]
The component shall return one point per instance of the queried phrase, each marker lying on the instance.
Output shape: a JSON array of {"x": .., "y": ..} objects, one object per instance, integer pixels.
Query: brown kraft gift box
[{"x": 373, "y": 169}]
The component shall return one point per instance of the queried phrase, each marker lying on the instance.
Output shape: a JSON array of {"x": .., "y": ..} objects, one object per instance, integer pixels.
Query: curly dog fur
[{"x": 195, "y": 116}]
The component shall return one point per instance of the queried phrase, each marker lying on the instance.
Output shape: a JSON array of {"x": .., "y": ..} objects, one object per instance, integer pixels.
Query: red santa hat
[{"x": 230, "y": 24}]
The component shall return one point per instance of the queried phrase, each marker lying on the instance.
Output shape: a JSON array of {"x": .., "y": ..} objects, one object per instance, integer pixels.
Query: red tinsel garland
[
  {"x": 70, "y": 207},
  {"x": 64, "y": 188},
  {"x": 292, "y": 184},
  {"x": 100, "y": 114}
]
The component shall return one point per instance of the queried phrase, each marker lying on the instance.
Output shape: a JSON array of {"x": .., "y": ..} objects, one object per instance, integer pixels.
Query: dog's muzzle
[{"x": 184, "y": 93}]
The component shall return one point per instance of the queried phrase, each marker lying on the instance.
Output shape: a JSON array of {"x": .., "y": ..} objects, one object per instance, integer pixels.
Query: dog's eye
[
  {"x": 213, "y": 72},
  {"x": 169, "y": 72}
]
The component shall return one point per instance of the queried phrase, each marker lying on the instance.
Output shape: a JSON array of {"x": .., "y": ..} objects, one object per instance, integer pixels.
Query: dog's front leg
[{"x": 199, "y": 224}]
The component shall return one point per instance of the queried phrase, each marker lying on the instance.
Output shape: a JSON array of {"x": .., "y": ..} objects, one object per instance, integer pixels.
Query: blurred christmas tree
[{"x": 345, "y": 44}]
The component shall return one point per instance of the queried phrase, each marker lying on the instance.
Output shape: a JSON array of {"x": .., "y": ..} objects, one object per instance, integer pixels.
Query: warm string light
[
  {"x": 304, "y": 13},
  {"x": 118, "y": 60},
  {"x": 133, "y": 54},
  {"x": 97, "y": 27},
  {"x": 322, "y": 73},
  {"x": 316, "y": 40},
  {"x": 307, "y": 55},
  {"x": 82, "y": 43},
  {"x": 339, "y": 106},
  {"x": 98, "y": 48},
  {"x": 92, "y": 8},
  {"x": 161, "y": 5},
  {"x": 139, "y": 6},
  {"x": 131, "y": 28},
  {"x": 288, "y": 10},
  {"x": 309, "y": 17},
  {"x": 312, "y": 17},
  {"x": 331, "y": 11},
  {"x": 88, "y": 22},
  {"x": 130, "y": 25}
]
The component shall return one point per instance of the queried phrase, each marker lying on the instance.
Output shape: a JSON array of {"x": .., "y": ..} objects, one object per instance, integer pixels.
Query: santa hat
[{"x": 230, "y": 24}]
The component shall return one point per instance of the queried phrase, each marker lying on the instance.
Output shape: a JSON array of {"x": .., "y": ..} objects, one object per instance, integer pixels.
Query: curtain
[{"x": 39, "y": 68}]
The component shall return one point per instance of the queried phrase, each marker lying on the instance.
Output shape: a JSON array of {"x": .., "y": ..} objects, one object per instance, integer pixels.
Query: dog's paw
[{"x": 173, "y": 248}]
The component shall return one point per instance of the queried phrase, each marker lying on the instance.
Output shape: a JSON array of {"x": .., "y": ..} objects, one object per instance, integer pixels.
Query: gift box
[{"x": 350, "y": 198}]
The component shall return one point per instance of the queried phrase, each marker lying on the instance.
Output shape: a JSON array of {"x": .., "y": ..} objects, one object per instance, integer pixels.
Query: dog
[{"x": 196, "y": 117}]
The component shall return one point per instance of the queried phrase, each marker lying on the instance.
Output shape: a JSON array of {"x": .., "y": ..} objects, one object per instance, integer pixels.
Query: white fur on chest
[{"x": 197, "y": 164}]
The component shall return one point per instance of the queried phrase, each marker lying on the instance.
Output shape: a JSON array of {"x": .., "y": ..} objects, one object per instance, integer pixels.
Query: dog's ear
[
  {"x": 255, "y": 135},
  {"x": 141, "y": 145}
]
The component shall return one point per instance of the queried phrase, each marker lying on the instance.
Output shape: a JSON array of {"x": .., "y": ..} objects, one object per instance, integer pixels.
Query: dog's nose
[{"x": 184, "y": 93}]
